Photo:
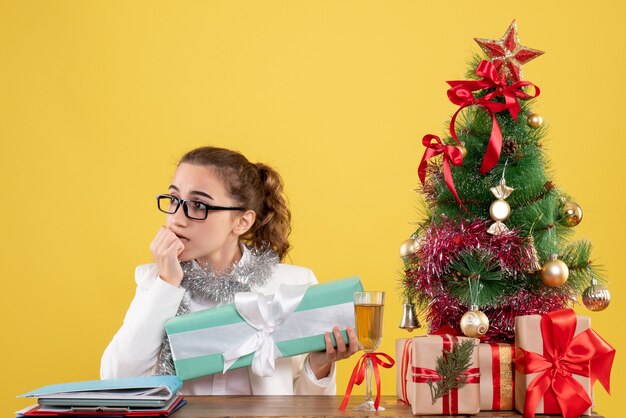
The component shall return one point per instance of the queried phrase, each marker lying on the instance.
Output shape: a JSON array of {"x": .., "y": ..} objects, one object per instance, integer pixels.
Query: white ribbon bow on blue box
[
  {"x": 257, "y": 329},
  {"x": 265, "y": 315}
]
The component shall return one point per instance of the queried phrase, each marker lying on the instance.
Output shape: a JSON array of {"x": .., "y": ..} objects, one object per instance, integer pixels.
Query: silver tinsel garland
[{"x": 205, "y": 286}]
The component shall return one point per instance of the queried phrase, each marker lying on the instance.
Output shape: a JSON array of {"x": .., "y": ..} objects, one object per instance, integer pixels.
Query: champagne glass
[{"x": 368, "y": 311}]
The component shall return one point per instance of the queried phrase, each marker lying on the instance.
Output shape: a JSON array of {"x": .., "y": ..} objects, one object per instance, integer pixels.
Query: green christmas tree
[{"x": 496, "y": 232}]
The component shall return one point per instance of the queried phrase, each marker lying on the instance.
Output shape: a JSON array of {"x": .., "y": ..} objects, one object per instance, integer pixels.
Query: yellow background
[{"x": 98, "y": 100}]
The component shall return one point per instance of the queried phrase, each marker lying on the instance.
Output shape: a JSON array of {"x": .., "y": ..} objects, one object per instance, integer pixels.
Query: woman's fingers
[
  {"x": 353, "y": 342},
  {"x": 330, "y": 349},
  {"x": 176, "y": 247},
  {"x": 165, "y": 248},
  {"x": 160, "y": 239},
  {"x": 163, "y": 241},
  {"x": 341, "y": 345},
  {"x": 342, "y": 350},
  {"x": 181, "y": 248},
  {"x": 156, "y": 241}
]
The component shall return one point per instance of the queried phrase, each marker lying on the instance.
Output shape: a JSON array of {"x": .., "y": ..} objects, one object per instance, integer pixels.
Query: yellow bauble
[
  {"x": 407, "y": 248},
  {"x": 474, "y": 323},
  {"x": 534, "y": 120},
  {"x": 554, "y": 273},
  {"x": 571, "y": 213},
  {"x": 463, "y": 150},
  {"x": 499, "y": 210}
]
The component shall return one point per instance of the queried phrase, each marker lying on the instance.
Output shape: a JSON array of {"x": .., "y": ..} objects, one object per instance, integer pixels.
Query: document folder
[
  {"x": 104, "y": 412},
  {"x": 149, "y": 391}
]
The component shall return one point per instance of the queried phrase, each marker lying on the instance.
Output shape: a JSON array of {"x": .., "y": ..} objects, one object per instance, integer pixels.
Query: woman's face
[{"x": 203, "y": 239}]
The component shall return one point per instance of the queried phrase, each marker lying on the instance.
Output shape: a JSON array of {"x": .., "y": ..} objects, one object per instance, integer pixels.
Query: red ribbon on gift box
[
  {"x": 358, "y": 375},
  {"x": 404, "y": 367},
  {"x": 462, "y": 93},
  {"x": 497, "y": 373},
  {"x": 450, "y": 400},
  {"x": 587, "y": 355}
]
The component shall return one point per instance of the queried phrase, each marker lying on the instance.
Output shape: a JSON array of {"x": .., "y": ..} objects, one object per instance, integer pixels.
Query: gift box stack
[
  {"x": 490, "y": 259},
  {"x": 550, "y": 369}
]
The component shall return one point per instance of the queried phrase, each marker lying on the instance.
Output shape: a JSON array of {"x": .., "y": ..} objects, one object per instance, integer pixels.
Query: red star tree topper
[{"x": 507, "y": 54}]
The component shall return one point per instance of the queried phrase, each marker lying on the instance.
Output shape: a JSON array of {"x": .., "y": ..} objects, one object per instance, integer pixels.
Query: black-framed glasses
[{"x": 192, "y": 208}]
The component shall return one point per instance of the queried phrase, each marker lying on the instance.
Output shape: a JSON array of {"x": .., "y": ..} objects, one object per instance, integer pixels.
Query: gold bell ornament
[
  {"x": 555, "y": 272},
  {"x": 596, "y": 297},
  {"x": 535, "y": 266},
  {"x": 409, "y": 320}
]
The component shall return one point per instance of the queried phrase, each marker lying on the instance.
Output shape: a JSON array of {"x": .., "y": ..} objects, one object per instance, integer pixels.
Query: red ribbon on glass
[
  {"x": 462, "y": 93},
  {"x": 450, "y": 400},
  {"x": 358, "y": 375},
  {"x": 587, "y": 355},
  {"x": 451, "y": 155}
]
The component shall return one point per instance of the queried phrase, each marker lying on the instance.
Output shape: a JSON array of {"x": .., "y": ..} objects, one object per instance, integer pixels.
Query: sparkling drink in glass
[{"x": 369, "y": 325}]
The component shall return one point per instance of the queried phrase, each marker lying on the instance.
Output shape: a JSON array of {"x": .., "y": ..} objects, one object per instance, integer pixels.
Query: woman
[{"x": 226, "y": 230}]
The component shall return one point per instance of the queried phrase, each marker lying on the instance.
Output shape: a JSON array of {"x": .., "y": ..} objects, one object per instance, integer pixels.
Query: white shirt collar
[{"x": 245, "y": 254}]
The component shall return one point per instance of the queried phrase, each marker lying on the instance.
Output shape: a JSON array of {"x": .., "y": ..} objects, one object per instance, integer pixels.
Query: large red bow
[
  {"x": 587, "y": 354},
  {"x": 358, "y": 375},
  {"x": 461, "y": 93},
  {"x": 451, "y": 155}
]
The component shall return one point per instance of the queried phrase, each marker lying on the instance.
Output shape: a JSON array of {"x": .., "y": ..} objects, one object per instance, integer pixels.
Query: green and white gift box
[{"x": 257, "y": 329}]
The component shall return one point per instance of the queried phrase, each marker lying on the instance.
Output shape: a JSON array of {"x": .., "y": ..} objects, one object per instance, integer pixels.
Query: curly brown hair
[{"x": 257, "y": 187}]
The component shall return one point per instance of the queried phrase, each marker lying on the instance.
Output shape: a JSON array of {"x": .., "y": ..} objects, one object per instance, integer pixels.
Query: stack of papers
[{"x": 151, "y": 396}]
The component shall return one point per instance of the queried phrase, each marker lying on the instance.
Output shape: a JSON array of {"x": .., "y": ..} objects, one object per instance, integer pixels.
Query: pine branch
[
  {"x": 577, "y": 256},
  {"x": 451, "y": 367},
  {"x": 471, "y": 265}
]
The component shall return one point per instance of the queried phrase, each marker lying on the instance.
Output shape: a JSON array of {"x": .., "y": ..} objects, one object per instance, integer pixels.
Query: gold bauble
[
  {"x": 499, "y": 210},
  {"x": 463, "y": 150},
  {"x": 554, "y": 273},
  {"x": 534, "y": 120},
  {"x": 407, "y": 248},
  {"x": 596, "y": 297},
  {"x": 571, "y": 213},
  {"x": 474, "y": 323}
]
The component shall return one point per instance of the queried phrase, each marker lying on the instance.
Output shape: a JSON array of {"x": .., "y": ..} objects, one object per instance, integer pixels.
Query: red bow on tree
[
  {"x": 451, "y": 155},
  {"x": 587, "y": 354},
  {"x": 462, "y": 94}
]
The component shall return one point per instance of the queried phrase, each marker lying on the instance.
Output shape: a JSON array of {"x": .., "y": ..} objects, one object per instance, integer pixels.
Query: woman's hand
[
  {"x": 321, "y": 361},
  {"x": 165, "y": 248}
]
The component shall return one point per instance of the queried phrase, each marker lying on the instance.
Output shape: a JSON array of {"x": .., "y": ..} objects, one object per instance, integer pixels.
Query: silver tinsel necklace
[{"x": 206, "y": 286}]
